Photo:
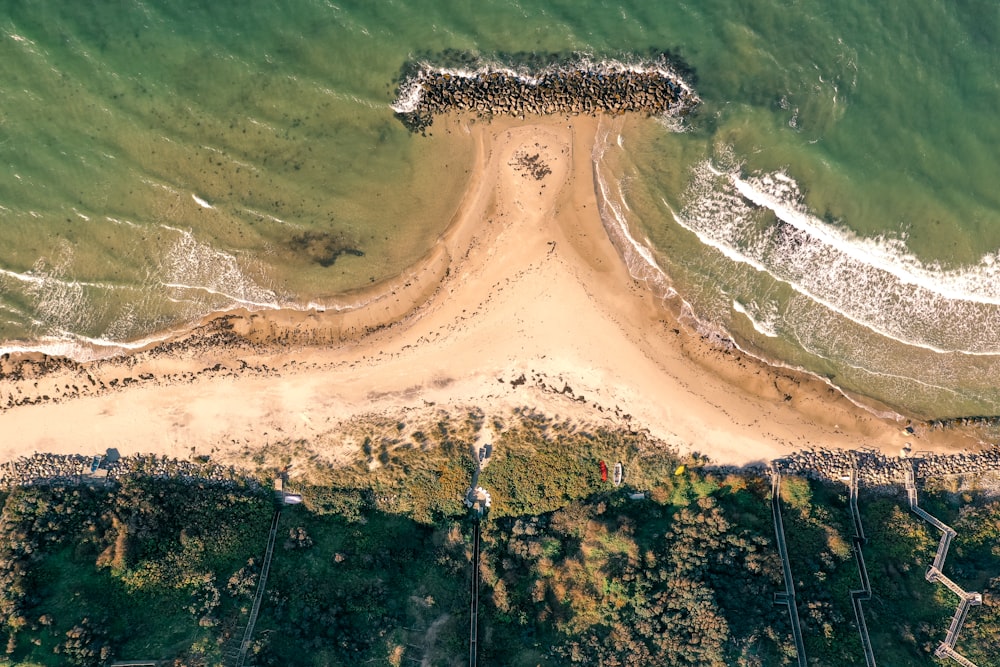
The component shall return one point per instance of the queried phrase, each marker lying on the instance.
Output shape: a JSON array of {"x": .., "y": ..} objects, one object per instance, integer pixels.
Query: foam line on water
[
  {"x": 875, "y": 283},
  {"x": 267, "y": 216},
  {"x": 881, "y": 414},
  {"x": 266, "y": 305},
  {"x": 639, "y": 258},
  {"x": 41, "y": 280},
  {"x": 201, "y": 202},
  {"x": 637, "y": 255},
  {"x": 23, "y": 277},
  {"x": 879, "y": 374},
  {"x": 765, "y": 328},
  {"x": 118, "y": 221},
  {"x": 621, "y": 225},
  {"x": 11, "y": 309},
  {"x": 80, "y": 348},
  {"x": 195, "y": 266},
  {"x": 731, "y": 253},
  {"x": 191, "y": 264},
  {"x": 161, "y": 186},
  {"x": 779, "y": 193}
]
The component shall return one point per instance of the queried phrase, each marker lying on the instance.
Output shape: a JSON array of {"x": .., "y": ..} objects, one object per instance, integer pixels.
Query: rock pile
[
  {"x": 876, "y": 469},
  {"x": 580, "y": 88},
  {"x": 58, "y": 468},
  {"x": 976, "y": 420},
  {"x": 49, "y": 467}
]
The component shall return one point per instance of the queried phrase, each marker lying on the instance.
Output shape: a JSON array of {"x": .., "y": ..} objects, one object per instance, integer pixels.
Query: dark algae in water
[{"x": 324, "y": 248}]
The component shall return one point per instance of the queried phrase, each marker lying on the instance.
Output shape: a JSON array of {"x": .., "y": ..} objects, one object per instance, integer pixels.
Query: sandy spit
[{"x": 523, "y": 302}]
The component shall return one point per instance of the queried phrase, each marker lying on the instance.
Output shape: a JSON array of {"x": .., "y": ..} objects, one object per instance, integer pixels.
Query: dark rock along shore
[{"x": 570, "y": 89}]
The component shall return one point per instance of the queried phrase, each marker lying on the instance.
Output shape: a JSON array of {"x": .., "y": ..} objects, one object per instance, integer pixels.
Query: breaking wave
[
  {"x": 762, "y": 320},
  {"x": 190, "y": 265},
  {"x": 761, "y": 220}
]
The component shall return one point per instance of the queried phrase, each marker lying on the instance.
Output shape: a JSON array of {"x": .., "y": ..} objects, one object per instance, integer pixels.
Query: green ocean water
[{"x": 831, "y": 205}]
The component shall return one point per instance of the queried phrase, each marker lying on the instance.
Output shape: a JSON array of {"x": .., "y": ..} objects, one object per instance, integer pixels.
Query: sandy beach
[{"x": 524, "y": 302}]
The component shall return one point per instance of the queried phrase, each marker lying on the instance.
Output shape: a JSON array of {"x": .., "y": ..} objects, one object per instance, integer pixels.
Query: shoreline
[
  {"x": 525, "y": 301},
  {"x": 643, "y": 267}
]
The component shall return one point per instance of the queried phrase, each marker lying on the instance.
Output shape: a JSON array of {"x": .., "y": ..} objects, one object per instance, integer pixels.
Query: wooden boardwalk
[
  {"x": 788, "y": 597},
  {"x": 261, "y": 585},
  {"x": 474, "y": 615},
  {"x": 863, "y": 594},
  {"x": 935, "y": 575}
]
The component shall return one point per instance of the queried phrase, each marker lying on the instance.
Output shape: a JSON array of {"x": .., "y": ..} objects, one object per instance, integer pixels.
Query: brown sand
[{"x": 524, "y": 302}]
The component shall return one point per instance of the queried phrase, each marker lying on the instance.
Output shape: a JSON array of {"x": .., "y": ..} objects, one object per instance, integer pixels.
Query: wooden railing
[
  {"x": 788, "y": 597},
  {"x": 261, "y": 585},
  {"x": 935, "y": 575},
  {"x": 863, "y": 594}
]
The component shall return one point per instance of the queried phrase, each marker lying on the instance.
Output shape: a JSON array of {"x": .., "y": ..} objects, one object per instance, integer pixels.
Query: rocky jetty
[{"x": 572, "y": 88}]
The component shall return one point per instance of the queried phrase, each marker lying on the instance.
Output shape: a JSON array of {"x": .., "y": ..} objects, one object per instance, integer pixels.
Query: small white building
[{"x": 478, "y": 499}]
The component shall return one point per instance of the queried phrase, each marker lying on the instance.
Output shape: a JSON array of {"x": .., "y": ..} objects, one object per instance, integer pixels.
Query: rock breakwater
[
  {"x": 877, "y": 469},
  {"x": 577, "y": 87},
  {"x": 43, "y": 469}
]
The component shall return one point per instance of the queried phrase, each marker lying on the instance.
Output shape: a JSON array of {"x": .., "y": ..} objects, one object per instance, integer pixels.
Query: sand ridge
[{"x": 523, "y": 302}]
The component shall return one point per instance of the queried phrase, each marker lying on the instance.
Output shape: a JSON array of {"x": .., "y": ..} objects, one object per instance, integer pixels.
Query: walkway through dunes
[
  {"x": 261, "y": 585},
  {"x": 788, "y": 597},
  {"x": 863, "y": 594},
  {"x": 935, "y": 574},
  {"x": 474, "y": 608},
  {"x": 877, "y": 470}
]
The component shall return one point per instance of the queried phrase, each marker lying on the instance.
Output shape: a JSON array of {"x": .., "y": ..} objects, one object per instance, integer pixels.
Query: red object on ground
[{"x": 604, "y": 472}]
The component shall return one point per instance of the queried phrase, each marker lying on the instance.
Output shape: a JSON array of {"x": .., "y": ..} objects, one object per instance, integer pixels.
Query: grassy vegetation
[{"x": 373, "y": 568}]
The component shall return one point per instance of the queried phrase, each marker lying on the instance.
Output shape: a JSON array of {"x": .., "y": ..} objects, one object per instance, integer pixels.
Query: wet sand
[{"x": 524, "y": 302}]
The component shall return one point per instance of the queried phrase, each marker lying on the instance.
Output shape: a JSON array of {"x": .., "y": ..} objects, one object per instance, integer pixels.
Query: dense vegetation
[
  {"x": 88, "y": 573},
  {"x": 374, "y": 567}
]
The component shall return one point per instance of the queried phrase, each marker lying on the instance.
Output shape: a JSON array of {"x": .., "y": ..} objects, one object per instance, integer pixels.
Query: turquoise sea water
[{"x": 832, "y": 204}]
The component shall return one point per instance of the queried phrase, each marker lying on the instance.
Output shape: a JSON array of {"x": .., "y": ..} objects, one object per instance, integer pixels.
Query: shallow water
[{"x": 831, "y": 205}]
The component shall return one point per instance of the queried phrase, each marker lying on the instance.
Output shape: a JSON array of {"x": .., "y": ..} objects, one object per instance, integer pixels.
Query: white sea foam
[
  {"x": 201, "y": 202},
  {"x": 117, "y": 221},
  {"x": 267, "y": 216},
  {"x": 762, "y": 324},
  {"x": 22, "y": 277},
  {"x": 161, "y": 186},
  {"x": 638, "y": 257},
  {"x": 780, "y": 193},
  {"x": 264, "y": 305},
  {"x": 52, "y": 346},
  {"x": 264, "y": 124},
  {"x": 81, "y": 348},
  {"x": 191, "y": 265},
  {"x": 876, "y": 283},
  {"x": 40, "y": 276},
  {"x": 56, "y": 302},
  {"x": 642, "y": 265}
]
